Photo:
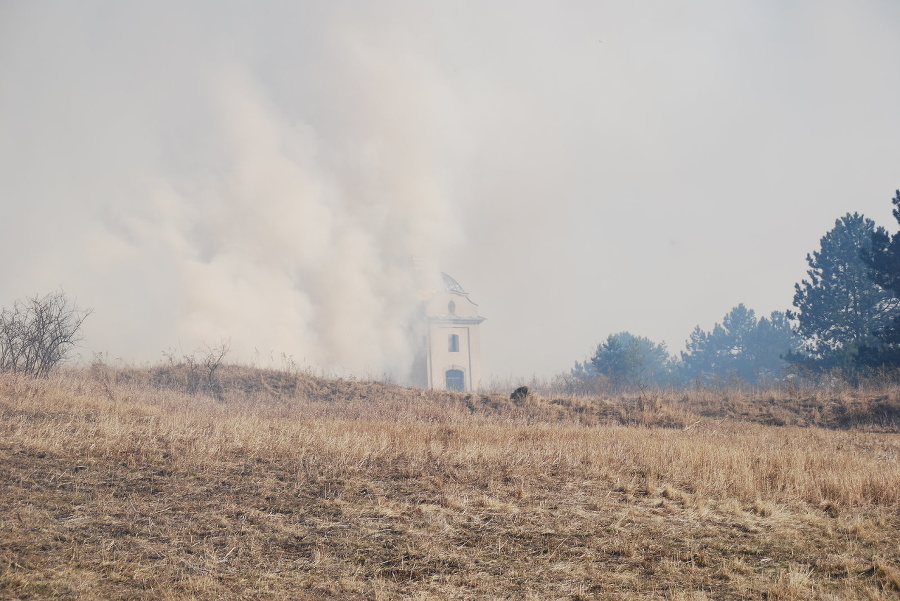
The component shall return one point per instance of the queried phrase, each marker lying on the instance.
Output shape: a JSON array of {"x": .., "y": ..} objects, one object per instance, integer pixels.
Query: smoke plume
[
  {"x": 271, "y": 172},
  {"x": 253, "y": 180}
]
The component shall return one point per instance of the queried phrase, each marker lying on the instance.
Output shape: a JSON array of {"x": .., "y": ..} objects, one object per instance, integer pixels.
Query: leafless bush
[
  {"x": 36, "y": 335},
  {"x": 212, "y": 360},
  {"x": 195, "y": 374}
]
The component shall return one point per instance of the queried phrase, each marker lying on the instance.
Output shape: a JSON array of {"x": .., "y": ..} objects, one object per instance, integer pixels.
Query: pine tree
[
  {"x": 883, "y": 260},
  {"x": 742, "y": 346},
  {"x": 629, "y": 361},
  {"x": 839, "y": 308}
]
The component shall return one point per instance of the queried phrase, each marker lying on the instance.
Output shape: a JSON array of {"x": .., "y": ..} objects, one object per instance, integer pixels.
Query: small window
[
  {"x": 453, "y": 343},
  {"x": 451, "y": 308}
]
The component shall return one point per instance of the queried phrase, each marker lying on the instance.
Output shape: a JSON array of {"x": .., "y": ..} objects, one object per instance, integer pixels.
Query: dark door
[{"x": 456, "y": 379}]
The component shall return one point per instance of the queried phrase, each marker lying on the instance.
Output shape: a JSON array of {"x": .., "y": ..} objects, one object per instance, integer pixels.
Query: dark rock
[{"x": 519, "y": 394}]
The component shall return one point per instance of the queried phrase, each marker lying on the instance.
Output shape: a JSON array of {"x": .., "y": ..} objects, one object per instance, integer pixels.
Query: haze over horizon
[{"x": 267, "y": 174}]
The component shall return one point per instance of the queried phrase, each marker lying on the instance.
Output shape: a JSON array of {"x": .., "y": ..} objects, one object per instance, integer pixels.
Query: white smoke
[
  {"x": 268, "y": 172},
  {"x": 286, "y": 216}
]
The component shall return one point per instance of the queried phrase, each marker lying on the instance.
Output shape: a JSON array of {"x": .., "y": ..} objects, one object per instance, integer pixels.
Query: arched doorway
[{"x": 456, "y": 379}]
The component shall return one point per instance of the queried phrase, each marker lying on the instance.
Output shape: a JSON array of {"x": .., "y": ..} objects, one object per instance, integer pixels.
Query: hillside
[{"x": 160, "y": 483}]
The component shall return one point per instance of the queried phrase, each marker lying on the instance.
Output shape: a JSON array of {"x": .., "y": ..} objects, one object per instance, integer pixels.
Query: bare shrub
[
  {"x": 195, "y": 374},
  {"x": 36, "y": 335}
]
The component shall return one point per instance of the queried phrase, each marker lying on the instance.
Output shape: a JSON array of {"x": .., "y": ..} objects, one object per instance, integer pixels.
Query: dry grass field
[{"x": 123, "y": 484}]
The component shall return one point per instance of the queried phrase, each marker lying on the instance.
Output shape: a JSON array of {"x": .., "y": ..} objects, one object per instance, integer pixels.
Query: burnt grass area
[{"x": 265, "y": 529}]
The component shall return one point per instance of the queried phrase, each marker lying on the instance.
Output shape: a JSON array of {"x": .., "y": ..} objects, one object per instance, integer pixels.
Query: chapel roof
[{"x": 452, "y": 285}]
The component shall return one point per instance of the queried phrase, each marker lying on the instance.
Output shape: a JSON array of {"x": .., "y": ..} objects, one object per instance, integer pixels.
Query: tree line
[{"x": 844, "y": 322}]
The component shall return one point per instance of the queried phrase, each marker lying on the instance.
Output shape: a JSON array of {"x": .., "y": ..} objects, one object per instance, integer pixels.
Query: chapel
[{"x": 452, "y": 357}]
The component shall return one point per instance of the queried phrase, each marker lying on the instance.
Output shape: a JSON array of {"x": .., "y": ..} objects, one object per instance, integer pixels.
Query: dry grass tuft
[
  {"x": 888, "y": 574},
  {"x": 135, "y": 484}
]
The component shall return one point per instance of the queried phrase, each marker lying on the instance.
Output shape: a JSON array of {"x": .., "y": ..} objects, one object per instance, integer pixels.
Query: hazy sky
[{"x": 267, "y": 172}]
